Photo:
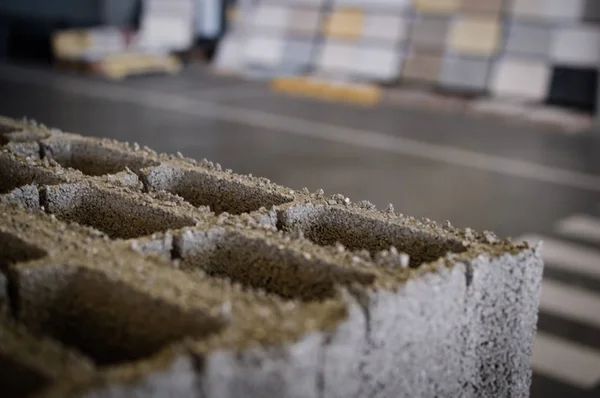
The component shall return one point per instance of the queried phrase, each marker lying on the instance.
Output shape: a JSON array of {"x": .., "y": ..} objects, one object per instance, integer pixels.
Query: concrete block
[
  {"x": 270, "y": 18},
  {"x": 576, "y": 46},
  {"x": 430, "y": 32},
  {"x": 304, "y": 22},
  {"x": 529, "y": 39},
  {"x": 282, "y": 293},
  {"x": 462, "y": 73},
  {"x": 477, "y": 36},
  {"x": 520, "y": 79},
  {"x": 437, "y": 6},
  {"x": 389, "y": 28},
  {"x": 423, "y": 66},
  {"x": 556, "y": 10},
  {"x": 486, "y": 7},
  {"x": 298, "y": 55},
  {"x": 264, "y": 50},
  {"x": 345, "y": 24},
  {"x": 377, "y": 63}
]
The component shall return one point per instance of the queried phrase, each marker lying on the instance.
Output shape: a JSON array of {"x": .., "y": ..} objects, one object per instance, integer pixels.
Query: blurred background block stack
[
  {"x": 523, "y": 51},
  {"x": 272, "y": 38},
  {"x": 551, "y": 53},
  {"x": 364, "y": 41},
  {"x": 473, "y": 42}
]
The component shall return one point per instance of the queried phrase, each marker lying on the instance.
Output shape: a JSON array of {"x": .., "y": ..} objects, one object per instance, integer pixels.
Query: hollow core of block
[
  {"x": 92, "y": 158},
  {"x": 257, "y": 264}
]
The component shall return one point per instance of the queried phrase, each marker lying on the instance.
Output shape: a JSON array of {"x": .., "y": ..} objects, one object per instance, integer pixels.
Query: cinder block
[
  {"x": 556, "y": 10},
  {"x": 387, "y": 28},
  {"x": 377, "y": 63},
  {"x": 264, "y": 50},
  {"x": 477, "y": 36},
  {"x": 437, "y": 6},
  {"x": 282, "y": 294},
  {"x": 430, "y": 32},
  {"x": 529, "y": 39},
  {"x": 304, "y": 22},
  {"x": 576, "y": 46},
  {"x": 485, "y": 7},
  {"x": 423, "y": 66},
  {"x": 96, "y": 157},
  {"x": 345, "y": 24},
  {"x": 270, "y": 18},
  {"x": 520, "y": 79},
  {"x": 298, "y": 55},
  {"x": 462, "y": 73}
]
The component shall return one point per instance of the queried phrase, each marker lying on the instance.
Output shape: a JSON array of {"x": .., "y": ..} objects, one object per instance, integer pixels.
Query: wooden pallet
[
  {"x": 120, "y": 66},
  {"x": 358, "y": 94}
]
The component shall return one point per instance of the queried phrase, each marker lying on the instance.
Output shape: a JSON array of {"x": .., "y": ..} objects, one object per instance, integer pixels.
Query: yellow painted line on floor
[{"x": 361, "y": 94}]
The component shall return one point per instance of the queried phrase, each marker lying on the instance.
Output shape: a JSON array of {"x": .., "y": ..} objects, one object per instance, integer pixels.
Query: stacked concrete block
[{"x": 156, "y": 275}]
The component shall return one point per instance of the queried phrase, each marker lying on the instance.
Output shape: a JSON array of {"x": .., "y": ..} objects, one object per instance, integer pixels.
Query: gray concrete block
[
  {"x": 273, "y": 293},
  {"x": 430, "y": 32},
  {"x": 470, "y": 74},
  {"x": 529, "y": 39}
]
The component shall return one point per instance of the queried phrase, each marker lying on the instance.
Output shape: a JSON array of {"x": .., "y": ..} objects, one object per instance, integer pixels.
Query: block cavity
[
  {"x": 94, "y": 157},
  {"x": 104, "y": 318},
  {"x": 326, "y": 225},
  {"x": 222, "y": 192},
  {"x": 121, "y": 215},
  {"x": 266, "y": 264},
  {"x": 15, "y": 173}
]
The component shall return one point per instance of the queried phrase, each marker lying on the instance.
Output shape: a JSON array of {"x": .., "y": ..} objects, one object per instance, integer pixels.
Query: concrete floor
[{"x": 475, "y": 172}]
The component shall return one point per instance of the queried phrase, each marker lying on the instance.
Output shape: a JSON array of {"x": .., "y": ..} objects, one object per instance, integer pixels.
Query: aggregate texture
[{"x": 124, "y": 272}]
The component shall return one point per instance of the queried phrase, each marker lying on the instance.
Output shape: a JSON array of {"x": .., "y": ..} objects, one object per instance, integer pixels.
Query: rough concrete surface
[{"x": 132, "y": 273}]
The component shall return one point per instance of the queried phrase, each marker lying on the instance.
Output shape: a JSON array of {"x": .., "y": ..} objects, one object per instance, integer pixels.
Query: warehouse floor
[{"x": 482, "y": 173}]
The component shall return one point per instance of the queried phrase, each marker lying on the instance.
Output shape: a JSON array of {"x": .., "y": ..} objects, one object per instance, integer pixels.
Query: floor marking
[
  {"x": 567, "y": 256},
  {"x": 580, "y": 226},
  {"x": 570, "y": 302},
  {"x": 566, "y": 361},
  {"x": 308, "y": 128}
]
